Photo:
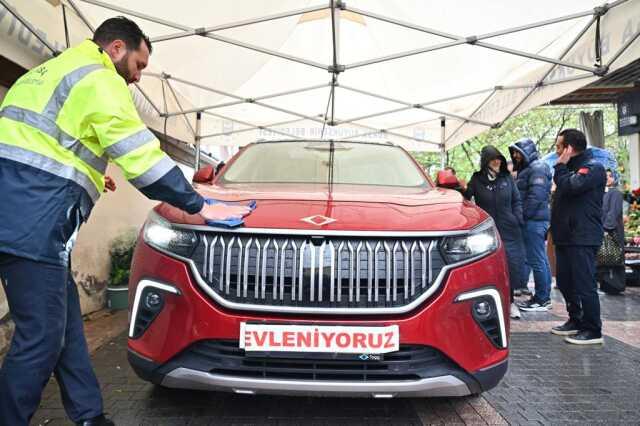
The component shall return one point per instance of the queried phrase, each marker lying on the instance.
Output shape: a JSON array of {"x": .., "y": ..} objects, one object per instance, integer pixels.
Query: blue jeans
[
  {"x": 49, "y": 338},
  {"x": 534, "y": 233}
]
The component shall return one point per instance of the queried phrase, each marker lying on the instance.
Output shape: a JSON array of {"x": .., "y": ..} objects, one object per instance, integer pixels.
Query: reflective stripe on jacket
[{"x": 60, "y": 125}]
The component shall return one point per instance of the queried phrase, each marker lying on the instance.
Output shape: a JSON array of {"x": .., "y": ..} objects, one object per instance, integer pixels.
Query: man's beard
[{"x": 121, "y": 68}]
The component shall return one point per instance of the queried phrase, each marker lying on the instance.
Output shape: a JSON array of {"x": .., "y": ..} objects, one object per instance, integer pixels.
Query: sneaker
[
  {"x": 515, "y": 312},
  {"x": 569, "y": 328},
  {"x": 522, "y": 292},
  {"x": 585, "y": 337},
  {"x": 533, "y": 305}
]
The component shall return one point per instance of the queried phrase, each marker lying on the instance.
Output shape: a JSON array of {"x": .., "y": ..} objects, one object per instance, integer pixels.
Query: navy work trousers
[
  {"x": 49, "y": 338},
  {"x": 576, "y": 279}
]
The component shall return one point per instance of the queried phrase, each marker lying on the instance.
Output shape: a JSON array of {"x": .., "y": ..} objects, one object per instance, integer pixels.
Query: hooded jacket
[
  {"x": 576, "y": 215},
  {"x": 533, "y": 181},
  {"x": 500, "y": 198}
]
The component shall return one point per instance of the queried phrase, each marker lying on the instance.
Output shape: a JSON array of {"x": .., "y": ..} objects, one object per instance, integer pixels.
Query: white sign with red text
[{"x": 311, "y": 338}]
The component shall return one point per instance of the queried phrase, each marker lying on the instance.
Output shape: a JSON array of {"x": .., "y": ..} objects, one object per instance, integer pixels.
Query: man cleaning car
[{"x": 60, "y": 125}]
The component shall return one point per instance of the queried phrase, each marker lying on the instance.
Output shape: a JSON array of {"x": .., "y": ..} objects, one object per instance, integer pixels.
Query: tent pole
[
  {"x": 436, "y": 101},
  {"x": 137, "y": 14},
  {"x": 266, "y": 51},
  {"x": 484, "y": 101},
  {"x": 622, "y": 49},
  {"x": 335, "y": 5},
  {"x": 546, "y": 74},
  {"x": 248, "y": 129},
  {"x": 198, "y": 139},
  {"x": 81, "y": 15},
  {"x": 230, "y": 95},
  {"x": 148, "y": 99},
  {"x": 175, "y": 96},
  {"x": 202, "y": 31},
  {"x": 472, "y": 40},
  {"x": 66, "y": 25},
  {"x": 28, "y": 26},
  {"x": 244, "y": 123},
  {"x": 238, "y": 24},
  {"x": 443, "y": 151},
  {"x": 399, "y": 135},
  {"x": 419, "y": 106}
]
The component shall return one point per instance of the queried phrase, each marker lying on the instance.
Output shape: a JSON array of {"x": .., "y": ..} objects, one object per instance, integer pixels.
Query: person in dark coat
[
  {"x": 576, "y": 226},
  {"x": 534, "y": 183},
  {"x": 610, "y": 277},
  {"x": 494, "y": 190}
]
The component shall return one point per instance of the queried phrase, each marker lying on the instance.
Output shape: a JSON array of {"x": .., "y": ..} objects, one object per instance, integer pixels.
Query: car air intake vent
[
  {"x": 411, "y": 362},
  {"x": 339, "y": 275}
]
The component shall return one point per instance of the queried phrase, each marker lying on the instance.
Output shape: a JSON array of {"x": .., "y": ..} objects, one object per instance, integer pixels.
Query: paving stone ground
[{"x": 548, "y": 382}]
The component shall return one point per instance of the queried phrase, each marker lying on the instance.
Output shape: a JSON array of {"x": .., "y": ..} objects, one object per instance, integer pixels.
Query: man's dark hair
[
  {"x": 574, "y": 138},
  {"x": 121, "y": 28},
  {"x": 451, "y": 169}
]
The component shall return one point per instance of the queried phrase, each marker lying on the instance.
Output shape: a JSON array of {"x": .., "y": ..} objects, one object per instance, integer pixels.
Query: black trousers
[{"x": 576, "y": 279}]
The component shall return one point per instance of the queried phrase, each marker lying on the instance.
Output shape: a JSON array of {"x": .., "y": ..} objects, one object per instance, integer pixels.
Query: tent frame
[{"x": 336, "y": 68}]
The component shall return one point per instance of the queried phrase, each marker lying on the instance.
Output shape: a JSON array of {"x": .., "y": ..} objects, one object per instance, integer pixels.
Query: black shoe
[
  {"x": 101, "y": 420},
  {"x": 585, "y": 337},
  {"x": 533, "y": 305},
  {"x": 569, "y": 328}
]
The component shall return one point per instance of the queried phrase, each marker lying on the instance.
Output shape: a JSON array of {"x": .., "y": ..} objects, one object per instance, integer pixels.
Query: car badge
[{"x": 318, "y": 220}]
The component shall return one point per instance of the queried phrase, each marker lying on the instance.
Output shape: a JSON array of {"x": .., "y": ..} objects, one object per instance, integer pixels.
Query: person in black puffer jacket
[
  {"x": 534, "y": 182},
  {"x": 494, "y": 190}
]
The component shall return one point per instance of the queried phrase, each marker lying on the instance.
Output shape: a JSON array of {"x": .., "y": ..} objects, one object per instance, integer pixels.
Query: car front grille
[
  {"x": 317, "y": 274},
  {"x": 224, "y": 357}
]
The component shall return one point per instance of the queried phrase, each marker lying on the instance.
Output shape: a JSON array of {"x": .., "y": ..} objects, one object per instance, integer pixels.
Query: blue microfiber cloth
[{"x": 231, "y": 223}]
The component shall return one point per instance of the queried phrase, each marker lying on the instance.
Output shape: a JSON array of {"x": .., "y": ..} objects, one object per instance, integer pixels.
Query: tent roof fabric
[{"x": 424, "y": 75}]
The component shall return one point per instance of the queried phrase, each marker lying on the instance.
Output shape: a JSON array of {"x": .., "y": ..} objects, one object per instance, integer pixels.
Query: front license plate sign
[{"x": 319, "y": 339}]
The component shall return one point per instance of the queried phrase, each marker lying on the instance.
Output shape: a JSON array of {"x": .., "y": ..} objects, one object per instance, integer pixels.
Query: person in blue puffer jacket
[{"x": 534, "y": 183}]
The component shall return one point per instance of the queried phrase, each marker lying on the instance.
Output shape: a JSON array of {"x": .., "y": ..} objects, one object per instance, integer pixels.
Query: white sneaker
[{"x": 515, "y": 311}]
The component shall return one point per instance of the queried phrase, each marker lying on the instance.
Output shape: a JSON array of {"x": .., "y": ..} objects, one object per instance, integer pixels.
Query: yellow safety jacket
[{"x": 60, "y": 125}]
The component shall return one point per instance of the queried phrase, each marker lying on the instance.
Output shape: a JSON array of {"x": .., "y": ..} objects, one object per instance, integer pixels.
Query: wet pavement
[{"x": 548, "y": 382}]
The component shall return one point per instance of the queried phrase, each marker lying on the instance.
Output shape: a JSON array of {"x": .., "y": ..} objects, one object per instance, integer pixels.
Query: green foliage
[
  {"x": 541, "y": 125},
  {"x": 121, "y": 252}
]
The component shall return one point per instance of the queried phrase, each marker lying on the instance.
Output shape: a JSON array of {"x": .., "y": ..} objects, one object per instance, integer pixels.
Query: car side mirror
[{"x": 204, "y": 174}]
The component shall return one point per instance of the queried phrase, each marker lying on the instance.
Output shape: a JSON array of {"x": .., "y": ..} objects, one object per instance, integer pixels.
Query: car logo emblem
[{"x": 318, "y": 220}]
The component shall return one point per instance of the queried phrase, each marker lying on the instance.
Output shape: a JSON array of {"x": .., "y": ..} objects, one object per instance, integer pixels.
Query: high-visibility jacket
[{"x": 60, "y": 125}]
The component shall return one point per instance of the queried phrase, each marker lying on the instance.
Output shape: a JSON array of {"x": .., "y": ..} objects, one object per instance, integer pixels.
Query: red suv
[{"x": 353, "y": 276}]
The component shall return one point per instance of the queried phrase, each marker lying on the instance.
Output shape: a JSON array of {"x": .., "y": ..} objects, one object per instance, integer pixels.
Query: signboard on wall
[{"x": 629, "y": 113}]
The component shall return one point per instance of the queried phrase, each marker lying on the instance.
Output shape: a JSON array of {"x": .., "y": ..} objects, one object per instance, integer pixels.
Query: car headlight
[
  {"x": 481, "y": 240},
  {"x": 159, "y": 233}
]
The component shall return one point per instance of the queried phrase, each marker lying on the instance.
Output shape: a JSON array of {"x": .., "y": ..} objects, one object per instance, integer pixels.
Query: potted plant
[{"x": 121, "y": 252}]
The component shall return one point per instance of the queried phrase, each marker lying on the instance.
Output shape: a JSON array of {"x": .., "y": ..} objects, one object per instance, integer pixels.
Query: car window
[{"x": 309, "y": 162}]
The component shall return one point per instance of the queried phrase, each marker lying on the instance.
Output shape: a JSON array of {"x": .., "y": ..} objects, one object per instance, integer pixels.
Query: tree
[{"x": 540, "y": 125}]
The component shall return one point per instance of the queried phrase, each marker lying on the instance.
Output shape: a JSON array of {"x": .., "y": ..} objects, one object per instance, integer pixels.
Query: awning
[{"x": 425, "y": 75}]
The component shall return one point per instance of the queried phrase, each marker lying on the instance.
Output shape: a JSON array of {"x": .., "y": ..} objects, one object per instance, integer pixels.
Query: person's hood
[
  {"x": 529, "y": 152},
  {"x": 489, "y": 153}
]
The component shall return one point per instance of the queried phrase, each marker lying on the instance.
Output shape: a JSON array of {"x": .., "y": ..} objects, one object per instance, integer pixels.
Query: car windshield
[{"x": 310, "y": 162}]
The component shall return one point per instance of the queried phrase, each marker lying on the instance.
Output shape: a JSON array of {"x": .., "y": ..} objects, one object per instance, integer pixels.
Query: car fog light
[
  {"x": 153, "y": 300},
  {"x": 483, "y": 309}
]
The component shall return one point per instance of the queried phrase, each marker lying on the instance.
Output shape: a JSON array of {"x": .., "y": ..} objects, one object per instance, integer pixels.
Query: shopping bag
[{"x": 610, "y": 252}]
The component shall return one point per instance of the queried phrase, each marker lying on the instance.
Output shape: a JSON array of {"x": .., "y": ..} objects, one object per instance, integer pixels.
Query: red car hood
[{"x": 352, "y": 207}]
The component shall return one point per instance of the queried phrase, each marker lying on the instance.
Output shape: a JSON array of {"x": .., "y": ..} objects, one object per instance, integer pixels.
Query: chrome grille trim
[{"x": 297, "y": 275}]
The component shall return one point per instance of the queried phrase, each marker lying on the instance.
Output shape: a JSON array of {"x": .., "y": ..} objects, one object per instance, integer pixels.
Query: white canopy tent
[{"x": 425, "y": 75}]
